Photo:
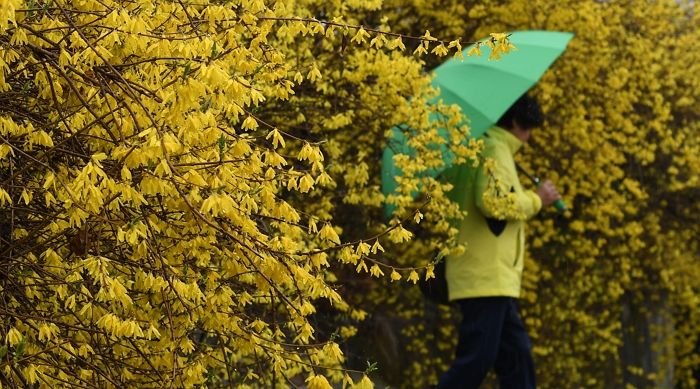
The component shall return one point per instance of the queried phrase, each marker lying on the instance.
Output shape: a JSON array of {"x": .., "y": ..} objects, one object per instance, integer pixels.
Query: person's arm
[
  {"x": 511, "y": 204},
  {"x": 548, "y": 193}
]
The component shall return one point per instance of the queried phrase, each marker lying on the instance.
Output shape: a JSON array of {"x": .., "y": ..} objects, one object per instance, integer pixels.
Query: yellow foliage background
[{"x": 611, "y": 290}]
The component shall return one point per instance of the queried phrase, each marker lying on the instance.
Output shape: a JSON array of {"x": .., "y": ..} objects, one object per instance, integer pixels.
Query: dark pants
[{"x": 491, "y": 336}]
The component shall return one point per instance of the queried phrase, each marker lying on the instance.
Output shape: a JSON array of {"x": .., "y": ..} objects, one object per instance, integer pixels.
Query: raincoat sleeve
[{"x": 526, "y": 202}]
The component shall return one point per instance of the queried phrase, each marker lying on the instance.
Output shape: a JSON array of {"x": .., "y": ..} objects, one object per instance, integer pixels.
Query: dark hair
[{"x": 526, "y": 111}]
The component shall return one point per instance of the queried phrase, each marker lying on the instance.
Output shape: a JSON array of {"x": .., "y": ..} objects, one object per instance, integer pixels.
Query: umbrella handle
[{"x": 559, "y": 205}]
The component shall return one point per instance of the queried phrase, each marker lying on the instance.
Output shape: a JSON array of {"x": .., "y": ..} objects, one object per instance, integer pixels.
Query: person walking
[{"x": 484, "y": 281}]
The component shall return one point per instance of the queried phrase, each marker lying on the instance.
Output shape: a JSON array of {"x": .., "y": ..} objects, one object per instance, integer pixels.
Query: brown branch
[{"x": 356, "y": 27}]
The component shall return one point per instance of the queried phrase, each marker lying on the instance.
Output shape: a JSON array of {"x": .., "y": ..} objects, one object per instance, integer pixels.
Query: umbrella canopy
[{"x": 484, "y": 89}]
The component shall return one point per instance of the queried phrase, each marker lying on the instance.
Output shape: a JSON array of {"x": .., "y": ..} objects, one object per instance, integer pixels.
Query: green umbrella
[{"x": 483, "y": 89}]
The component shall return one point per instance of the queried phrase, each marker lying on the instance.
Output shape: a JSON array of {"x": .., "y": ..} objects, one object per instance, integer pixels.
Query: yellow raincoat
[{"x": 492, "y": 264}]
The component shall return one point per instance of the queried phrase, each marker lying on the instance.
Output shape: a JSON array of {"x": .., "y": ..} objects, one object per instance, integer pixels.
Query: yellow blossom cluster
[{"x": 185, "y": 186}]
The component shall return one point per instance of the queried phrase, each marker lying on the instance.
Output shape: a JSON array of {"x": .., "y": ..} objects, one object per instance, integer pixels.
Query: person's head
[{"x": 522, "y": 117}]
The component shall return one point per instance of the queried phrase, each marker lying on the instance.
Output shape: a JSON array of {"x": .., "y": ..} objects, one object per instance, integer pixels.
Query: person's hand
[{"x": 548, "y": 193}]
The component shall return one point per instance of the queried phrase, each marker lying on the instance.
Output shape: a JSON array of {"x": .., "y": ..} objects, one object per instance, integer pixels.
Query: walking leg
[
  {"x": 514, "y": 365},
  {"x": 477, "y": 347}
]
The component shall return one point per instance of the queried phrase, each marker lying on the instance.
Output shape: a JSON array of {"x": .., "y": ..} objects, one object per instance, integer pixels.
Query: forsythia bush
[
  {"x": 190, "y": 189},
  {"x": 172, "y": 177}
]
